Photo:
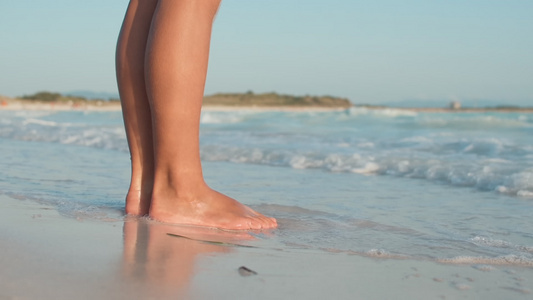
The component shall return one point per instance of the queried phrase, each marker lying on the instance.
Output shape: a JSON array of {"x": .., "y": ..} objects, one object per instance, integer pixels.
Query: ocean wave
[
  {"x": 510, "y": 260},
  {"x": 489, "y": 175},
  {"x": 340, "y": 142},
  {"x": 386, "y": 112},
  {"x": 495, "y": 243},
  {"x": 29, "y": 128},
  {"x": 480, "y": 122},
  {"x": 481, "y": 263},
  {"x": 373, "y": 253},
  {"x": 39, "y": 122},
  {"x": 223, "y": 117},
  {"x": 32, "y": 113}
]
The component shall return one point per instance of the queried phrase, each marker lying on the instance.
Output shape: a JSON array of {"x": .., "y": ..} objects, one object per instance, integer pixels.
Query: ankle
[
  {"x": 177, "y": 187},
  {"x": 178, "y": 179}
]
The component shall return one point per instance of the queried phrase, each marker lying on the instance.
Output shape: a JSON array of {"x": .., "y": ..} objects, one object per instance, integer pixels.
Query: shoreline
[
  {"x": 9, "y": 104},
  {"x": 50, "y": 256},
  {"x": 43, "y": 257}
]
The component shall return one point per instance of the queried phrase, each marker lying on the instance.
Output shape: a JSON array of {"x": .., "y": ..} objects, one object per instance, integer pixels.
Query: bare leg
[
  {"x": 161, "y": 106},
  {"x": 135, "y": 106},
  {"x": 176, "y": 67}
]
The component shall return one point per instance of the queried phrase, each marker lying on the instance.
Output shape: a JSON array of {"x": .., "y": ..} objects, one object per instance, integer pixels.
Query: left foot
[{"x": 138, "y": 201}]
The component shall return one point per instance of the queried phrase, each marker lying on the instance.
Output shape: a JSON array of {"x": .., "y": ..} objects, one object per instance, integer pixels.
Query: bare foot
[
  {"x": 208, "y": 208},
  {"x": 138, "y": 201}
]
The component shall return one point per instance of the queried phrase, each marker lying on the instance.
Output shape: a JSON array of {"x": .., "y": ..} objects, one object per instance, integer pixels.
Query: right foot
[{"x": 208, "y": 208}]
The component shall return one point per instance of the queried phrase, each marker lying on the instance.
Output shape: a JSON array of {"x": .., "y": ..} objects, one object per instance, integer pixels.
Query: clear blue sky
[{"x": 369, "y": 51}]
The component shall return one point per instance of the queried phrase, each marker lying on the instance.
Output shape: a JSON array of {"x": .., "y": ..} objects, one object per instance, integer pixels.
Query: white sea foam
[
  {"x": 498, "y": 175},
  {"x": 359, "y": 140},
  {"x": 368, "y": 168},
  {"x": 524, "y": 193},
  {"x": 512, "y": 260},
  {"x": 496, "y": 243},
  {"x": 32, "y": 113},
  {"x": 39, "y": 122},
  {"x": 220, "y": 118},
  {"x": 389, "y": 112},
  {"x": 477, "y": 122}
]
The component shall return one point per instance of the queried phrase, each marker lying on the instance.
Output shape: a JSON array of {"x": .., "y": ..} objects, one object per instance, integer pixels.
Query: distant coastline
[
  {"x": 503, "y": 109},
  {"x": 234, "y": 101}
]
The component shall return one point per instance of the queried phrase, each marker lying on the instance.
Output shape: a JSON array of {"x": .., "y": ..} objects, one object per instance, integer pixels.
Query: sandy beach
[{"x": 47, "y": 256}]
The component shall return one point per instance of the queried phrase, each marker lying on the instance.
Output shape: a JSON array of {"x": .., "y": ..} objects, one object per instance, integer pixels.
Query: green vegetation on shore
[
  {"x": 274, "y": 99},
  {"x": 49, "y": 97},
  {"x": 228, "y": 99}
]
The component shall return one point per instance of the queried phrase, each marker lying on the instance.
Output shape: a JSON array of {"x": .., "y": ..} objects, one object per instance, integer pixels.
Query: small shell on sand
[{"x": 244, "y": 271}]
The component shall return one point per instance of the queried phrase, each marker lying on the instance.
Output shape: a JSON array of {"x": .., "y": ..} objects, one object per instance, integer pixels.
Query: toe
[{"x": 268, "y": 222}]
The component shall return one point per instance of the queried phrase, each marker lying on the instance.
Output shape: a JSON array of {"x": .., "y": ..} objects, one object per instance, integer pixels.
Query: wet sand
[{"x": 45, "y": 255}]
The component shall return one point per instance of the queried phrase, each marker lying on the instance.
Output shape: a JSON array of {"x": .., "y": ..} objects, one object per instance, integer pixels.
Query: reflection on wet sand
[{"x": 158, "y": 263}]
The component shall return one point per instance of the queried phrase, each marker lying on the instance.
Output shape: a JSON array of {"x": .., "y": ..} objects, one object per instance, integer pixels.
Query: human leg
[
  {"x": 130, "y": 56},
  {"x": 175, "y": 72}
]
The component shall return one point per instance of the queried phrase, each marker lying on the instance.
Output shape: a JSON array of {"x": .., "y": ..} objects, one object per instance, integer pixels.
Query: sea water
[{"x": 446, "y": 187}]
